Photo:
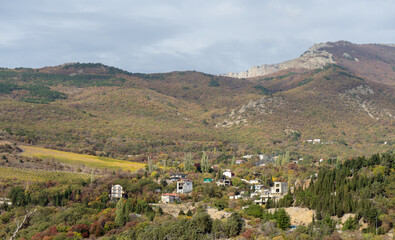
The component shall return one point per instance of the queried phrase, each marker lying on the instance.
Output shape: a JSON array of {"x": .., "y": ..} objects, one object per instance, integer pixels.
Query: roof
[
  {"x": 184, "y": 180},
  {"x": 171, "y": 194}
]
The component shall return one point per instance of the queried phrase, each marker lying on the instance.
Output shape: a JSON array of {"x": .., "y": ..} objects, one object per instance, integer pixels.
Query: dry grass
[{"x": 81, "y": 159}]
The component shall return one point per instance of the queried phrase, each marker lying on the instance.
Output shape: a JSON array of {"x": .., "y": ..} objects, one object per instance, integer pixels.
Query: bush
[
  {"x": 255, "y": 211},
  {"x": 350, "y": 224}
]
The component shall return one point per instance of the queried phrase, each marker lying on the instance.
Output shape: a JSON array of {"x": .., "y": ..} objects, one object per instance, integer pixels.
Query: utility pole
[{"x": 376, "y": 223}]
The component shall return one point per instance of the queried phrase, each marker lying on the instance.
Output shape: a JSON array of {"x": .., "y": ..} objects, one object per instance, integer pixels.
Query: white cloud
[{"x": 210, "y": 36}]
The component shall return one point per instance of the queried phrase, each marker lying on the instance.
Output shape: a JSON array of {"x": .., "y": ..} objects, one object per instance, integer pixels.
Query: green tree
[
  {"x": 234, "y": 225},
  {"x": 205, "y": 166},
  {"x": 285, "y": 159},
  {"x": 120, "y": 213},
  {"x": 201, "y": 221},
  {"x": 350, "y": 224},
  {"x": 150, "y": 164},
  {"x": 283, "y": 219},
  {"x": 17, "y": 196},
  {"x": 188, "y": 162},
  {"x": 255, "y": 211}
]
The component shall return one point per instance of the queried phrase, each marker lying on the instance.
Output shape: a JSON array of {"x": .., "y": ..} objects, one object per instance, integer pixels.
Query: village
[{"x": 254, "y": 190}]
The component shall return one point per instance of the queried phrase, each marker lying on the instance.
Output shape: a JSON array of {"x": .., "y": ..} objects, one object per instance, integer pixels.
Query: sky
[{"x": 211, "y": 36}]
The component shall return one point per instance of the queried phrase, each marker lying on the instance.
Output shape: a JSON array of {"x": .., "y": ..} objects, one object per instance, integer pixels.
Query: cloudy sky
[{"x": 212, "y": 36}]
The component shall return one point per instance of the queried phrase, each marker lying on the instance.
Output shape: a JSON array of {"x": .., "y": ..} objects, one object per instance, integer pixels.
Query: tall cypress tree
[{"x": 120, "y": 213}]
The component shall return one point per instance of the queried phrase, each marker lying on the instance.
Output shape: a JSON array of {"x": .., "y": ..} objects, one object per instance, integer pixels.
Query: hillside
[{"x": 102, "y": 110}]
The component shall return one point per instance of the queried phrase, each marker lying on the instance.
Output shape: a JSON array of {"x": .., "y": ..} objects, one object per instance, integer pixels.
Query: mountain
[
  {"x": 370, "y": 61},
  {"x": 98, "y": 109}
]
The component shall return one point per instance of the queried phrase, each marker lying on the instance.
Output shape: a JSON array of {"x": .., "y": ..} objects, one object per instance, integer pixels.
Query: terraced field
[
  {"x": 80, "y": 159},
  {"x": 39, "y": 175}
]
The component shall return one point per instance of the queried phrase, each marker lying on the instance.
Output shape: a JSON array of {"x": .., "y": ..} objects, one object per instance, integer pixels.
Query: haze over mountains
[{"x": 341, "y": 93}]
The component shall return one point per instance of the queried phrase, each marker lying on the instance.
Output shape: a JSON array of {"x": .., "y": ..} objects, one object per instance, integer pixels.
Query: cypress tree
[{"x": 119, "y": 214}]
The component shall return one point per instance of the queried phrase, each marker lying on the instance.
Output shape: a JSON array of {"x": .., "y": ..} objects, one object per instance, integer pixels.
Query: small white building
[
  {"x": 184, "y": 186},
  {"x": 316, "y": 141},
  {"x": 116, "y": 191},
  {"x": 228, "y": 174},
  {"x": 170, "y": 197}
]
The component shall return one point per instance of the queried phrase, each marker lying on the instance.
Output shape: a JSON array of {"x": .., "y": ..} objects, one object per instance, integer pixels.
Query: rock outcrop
[{"x": 314, "y": 58}]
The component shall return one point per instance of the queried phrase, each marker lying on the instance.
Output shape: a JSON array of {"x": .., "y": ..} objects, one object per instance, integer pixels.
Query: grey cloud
[{"x": 161, "y": 36}]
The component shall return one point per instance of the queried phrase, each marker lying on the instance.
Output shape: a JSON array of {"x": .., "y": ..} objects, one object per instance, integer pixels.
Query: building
[
  {"x": 116, "y": 192},
  {"x": 224, "y": 182},
  {"x": 275, "y": 193},
  {"x": 170, "y": 197},
  {"x": 228, "y": 174},
  {"x": 207, "y": 180},
  {"x": 184, "y": 186},
  {"x": 240, "y": 161},
  {"x": 279, "y": 189},
  {"x": 174, "y": 177},
  {"x": 179, "y": 175}
]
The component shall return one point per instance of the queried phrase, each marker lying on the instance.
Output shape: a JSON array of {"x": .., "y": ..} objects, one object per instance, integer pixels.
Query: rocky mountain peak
[{"x": 314, "y": 58}]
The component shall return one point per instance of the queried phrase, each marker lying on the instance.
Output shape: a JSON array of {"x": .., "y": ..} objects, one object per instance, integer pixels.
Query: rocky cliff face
[{"x": 314, "y": 58}]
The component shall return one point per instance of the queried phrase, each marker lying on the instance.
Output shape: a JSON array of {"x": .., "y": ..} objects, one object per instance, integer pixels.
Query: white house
[
  {"x": 170, "y": 197},
  {"x": 116, "y": 192},
  {"x": 316, "y": 141},
  {"x": 228, "y": 174},
  {"x": 184, "y": 186},
  {"x": 275, "y": 193}
]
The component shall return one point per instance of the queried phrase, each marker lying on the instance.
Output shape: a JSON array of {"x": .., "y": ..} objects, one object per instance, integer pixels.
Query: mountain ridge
[
  {"x": 109, "y": 111},
  {"x": 342, "y": 53}
]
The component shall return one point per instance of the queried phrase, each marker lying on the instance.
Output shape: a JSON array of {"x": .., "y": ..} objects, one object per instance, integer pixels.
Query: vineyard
[
  {"x": 40, "y": 175},
  {"x": 81, "y": 159}
]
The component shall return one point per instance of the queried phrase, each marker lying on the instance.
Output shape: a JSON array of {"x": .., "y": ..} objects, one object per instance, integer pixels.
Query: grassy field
[
  {"x": 39, "y": 174},
  {"x": 81, "y": 159}
]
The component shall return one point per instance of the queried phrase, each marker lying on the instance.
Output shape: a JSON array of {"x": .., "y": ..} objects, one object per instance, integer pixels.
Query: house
[
  {"x": 5, "y": 201},
  {"x": 228, "y": 174},
  {"x": 170, "y": 197},
  {"x": 257, "y": 188},
  {"x": 184, "y": 186},
  {"x": 235, "y": 197},
  {"x": 240, "y": 161},
  {"x": 279, "y": 189},
  {"x": 316, "y": 141},
  {"x": 275, "y": 193},
  {"x": 224, "y": 182},
  {"x": 174, "y": 177},
  {"x": 116, "y": 192},
  {"x": 309, "y": 141},
  {"x": 207, "y": 180},
  {"x": 179, "y": 175},
  {"x": 247, "y": 156}
]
